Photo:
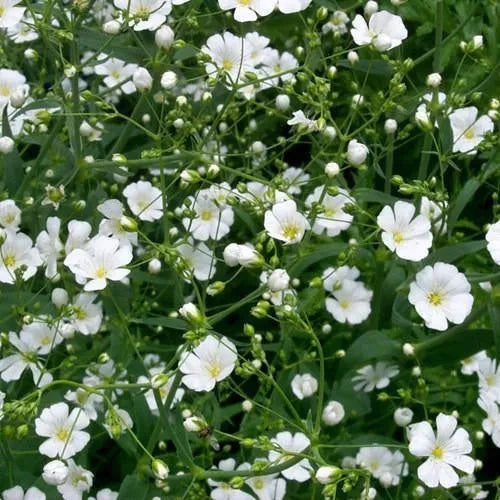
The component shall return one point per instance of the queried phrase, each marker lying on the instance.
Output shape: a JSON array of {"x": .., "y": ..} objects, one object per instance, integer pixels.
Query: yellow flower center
[
  {"x": 2, "y": 10},
  {"x": 115, "y": 74},
  {"x": 437, "y": 452},
  {"x": 227, "y": 64},
  {"x": 62, "y": 434},
  {"x": 214, "y": 370},
  {"x": 435, "y": 298},
  {"x": 258, "y": 484},
  {"x": 143, "y": 13},
  {"x": 45, "y": 340},
  {"x": 205, "y": 215},
  {"x": 4, "y": 90},
  {"x": 344, "y": 304},
  {"x": 100, "y": 272},
  {"x": 290, "y": 231},
  {"x": 9, "y": 218},
  {"x": 330, "y": 212},
  {"x": 469, "y": 134},
  {"x": 82, "y": 398},
  {"x": 490, "y": 380},
  {"x": 9, "y": 260},
  {"x": 80, "y": 313},
  {"x": 398, "y": 237},
  {"x": 245, "y": 2}
]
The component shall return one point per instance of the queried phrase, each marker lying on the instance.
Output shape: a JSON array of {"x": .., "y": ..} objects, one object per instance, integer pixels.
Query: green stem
[
  {"x": 321, "y": 384},
  {"x": 389, "y": 162}
]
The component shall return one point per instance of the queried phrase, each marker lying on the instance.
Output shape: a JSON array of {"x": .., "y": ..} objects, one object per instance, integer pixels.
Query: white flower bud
[
  {"x": 433, "y": 80},
  {"x": 111, "y": 27},
  {"x": 186, "y": 413},
  {"x": 55, "y": 473},
  {"x": 59, "y": 297},
  {"x": 31, "y": 54},
  {"x": 179, "y": 123},
  {"x": 282, "y": 102},
  {"x": 182, "y": 101},
  {"x": 419, "y": 490},
  {"x": 194, "y": 424},
  {"x": 352, "y": 57},
  {"x": 403, "y": 416},
  {"x": 6, "y": 145},
  {"x": 213, "y": 171},
  {"x": 160, "y": 469},
  {"x": 69, "y": 71},
  {"x": 258, "y": 147},
  {"x": 154, "y": 266},
  {"x": 390, "y": 126},
  {"x": 408, "y": 349},
  {"x": 230, "y": 254},
  {"x": 158, "y": 380},
  {"x": 278, "y": 280},
  {"x": 327, "y": 474},
  {"x": 330, "y": 132},
  {"x": 164, "y": 37},
  {"x": 478, "y": 464},
  {"x": 86, "y": 129},
  {"x": 477, "y": 42},
  {"x": 479, "y": 435},
  {"x": 332, "y": 71},
  {"x": 326, "y": 328},
  {"x": 168, "y": 80},
  {"x": 248, "y": 257},
  {"x": 416, "y": 371},
  {"x": 18, "y": 97},
  {"x": 333, "y": 413},
  {"x": 142, "y": 79},
  {"x": 370, "y": 8},
  {"x": 67, "y": 331},
  {"x": 247, "y": 406},
  {"x": 455, "y": 414},
  {"x": 332, "y": 169},
  {"x": 357, "y": 100},
  {"x": 356, "y": 152},
  {"x": 191, "y": 313},
  {"x": 304, "y": 386}
]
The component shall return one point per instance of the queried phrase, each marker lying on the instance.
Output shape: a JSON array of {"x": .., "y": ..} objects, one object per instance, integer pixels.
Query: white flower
[
  {"x": 468, "y": 129},
  {"x": 78, "y": 235},
  {"x": 304, "y": 386},
  {"x": 440, "y": 294},
  {"x": 87, "y": 401},
  {"x": 55, "y": 472},
  {"x": 6, "y": 145},
  {"x": 268, "y": 487},
  {"x": 281, "y": 67},
  {"x": 247, "y": 10},
  {"x": 142, "y": 79},
  {"x": 332, "y": 218},
  {"x": 211, "y": 361},
  {"x": 445, "y": 450},
  {"x": 13, "y": 366},
  {"x": 384, "y": 31},
  {"x": 300, "y": 119},
  {"x": 168, "y": 80},
  {"x": 224, "y": 491},
  {"x": 242, "y": 255},
  {"x": 296, "y": 443},
  {"x": 10, "y": 215},
  {"x": 17, "y": 493},
  {"x": 295, "y": 178},
  {"x": 434, "y": 213},
  {"x": 50, "y": 247},
  {"x": 87, "y": 316},
  {"x": 326, "y": 474},
  {"x": 291, "y": 6},
  {"x": 228, "y": 55},
  {"x": 101, "y": 261},
  {"x": 337, "y": 23},
  {"x": 376, "y": 459},
  {"x": 40, "y": 334},
  {"x": 144, "y": 200},
  {"x": 16, "y": 251},
  {"x": 470, "y": 365},
  {"x": 63, "y": 430},
  {"x": 356, "y": 152},
  {"x": 350, "y": 303},
  {"x": 10, "y": 15},
  {"x": 283, "y": 222},
  {"x": 116, "y": 73},
  {"x": 333, "y": 413},
  {"x": 163, "y": 389},
  {"x": 333, "y": 278},
  {"x": 377, "y": 376},
  {"x": 117, "y": 421},
  {"x": 164, "y": 37},
  {"x": 112, "y": 225},
  {"x": 493, "y": 239},
  {"x": 409, "y": 237},
  {"x": 145, "y": 14},
  {"x": 199, "y": 258},
  {"x": 79, "y": 480},
  {"x": 491, "y": 424},
  {"x": 489, "y": 379}
]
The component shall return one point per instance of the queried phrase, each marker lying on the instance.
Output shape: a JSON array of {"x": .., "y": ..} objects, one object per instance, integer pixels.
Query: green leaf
[
  {"x": 133, "y": 488},
  {"x": 463, "y": 346},
  {"x": 174, "y": 323},
  {"x": 322, "y": 252},
  {"x": 445, "y": 133},
  {"x": 371, "y": 345},
  {"x": 370, "y": 66},
  {"x": 463, "y": 198},
  {"x": 494, "y": 310},
  {"x": 454, "y": 252},
  {"x": 373, "y": 196}
]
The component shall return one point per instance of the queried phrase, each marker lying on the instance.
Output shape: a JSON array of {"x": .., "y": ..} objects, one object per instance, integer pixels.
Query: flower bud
[
  {"x": 408, "y": 349},
  {"x": 282, "y": 102},
  {"x": 278, "y": 280},
  {"x": 247, "y": 406},
  {"x": 164, "y": 37},
  {"x": 433, "y": 80},
  {"x": 330, "y": 132},
  {"x": 194, "y": 424},
  {"x": 327, "y": 474},
  {"x": 154, "y": 266},
  {"x": 192, "y": 314},
  {"x": 352, "y": 57},
  {"x": 333, "y": 413},
  {"x": 356, "y": 152},
  {"x": 168, "y": 80},
  {"x": 128, "y": 224},
  {"x": 59, "y": 297},
  {"x": 158, "y": 380},
  {"x": 111, "y": 27},
  {"x": 6, "y": 145},
  {"x": 390, "y": 126},
  {"x": 370, "y": 8},
  {"x": 160, "y": 469},
  {"x": 403, "y": 416},
  {"x": 332, "y": 169},
  {"x": 18, "y": 97},
  {"x": 423, "y": 121},
  {"x": 215, "y": 288},
  {"x": 55, "y": 473},
  {"x": 142, "y": 79}
]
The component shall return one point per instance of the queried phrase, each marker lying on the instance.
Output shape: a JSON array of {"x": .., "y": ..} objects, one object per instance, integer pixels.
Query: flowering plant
[{"x": 249, "y": 249}]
